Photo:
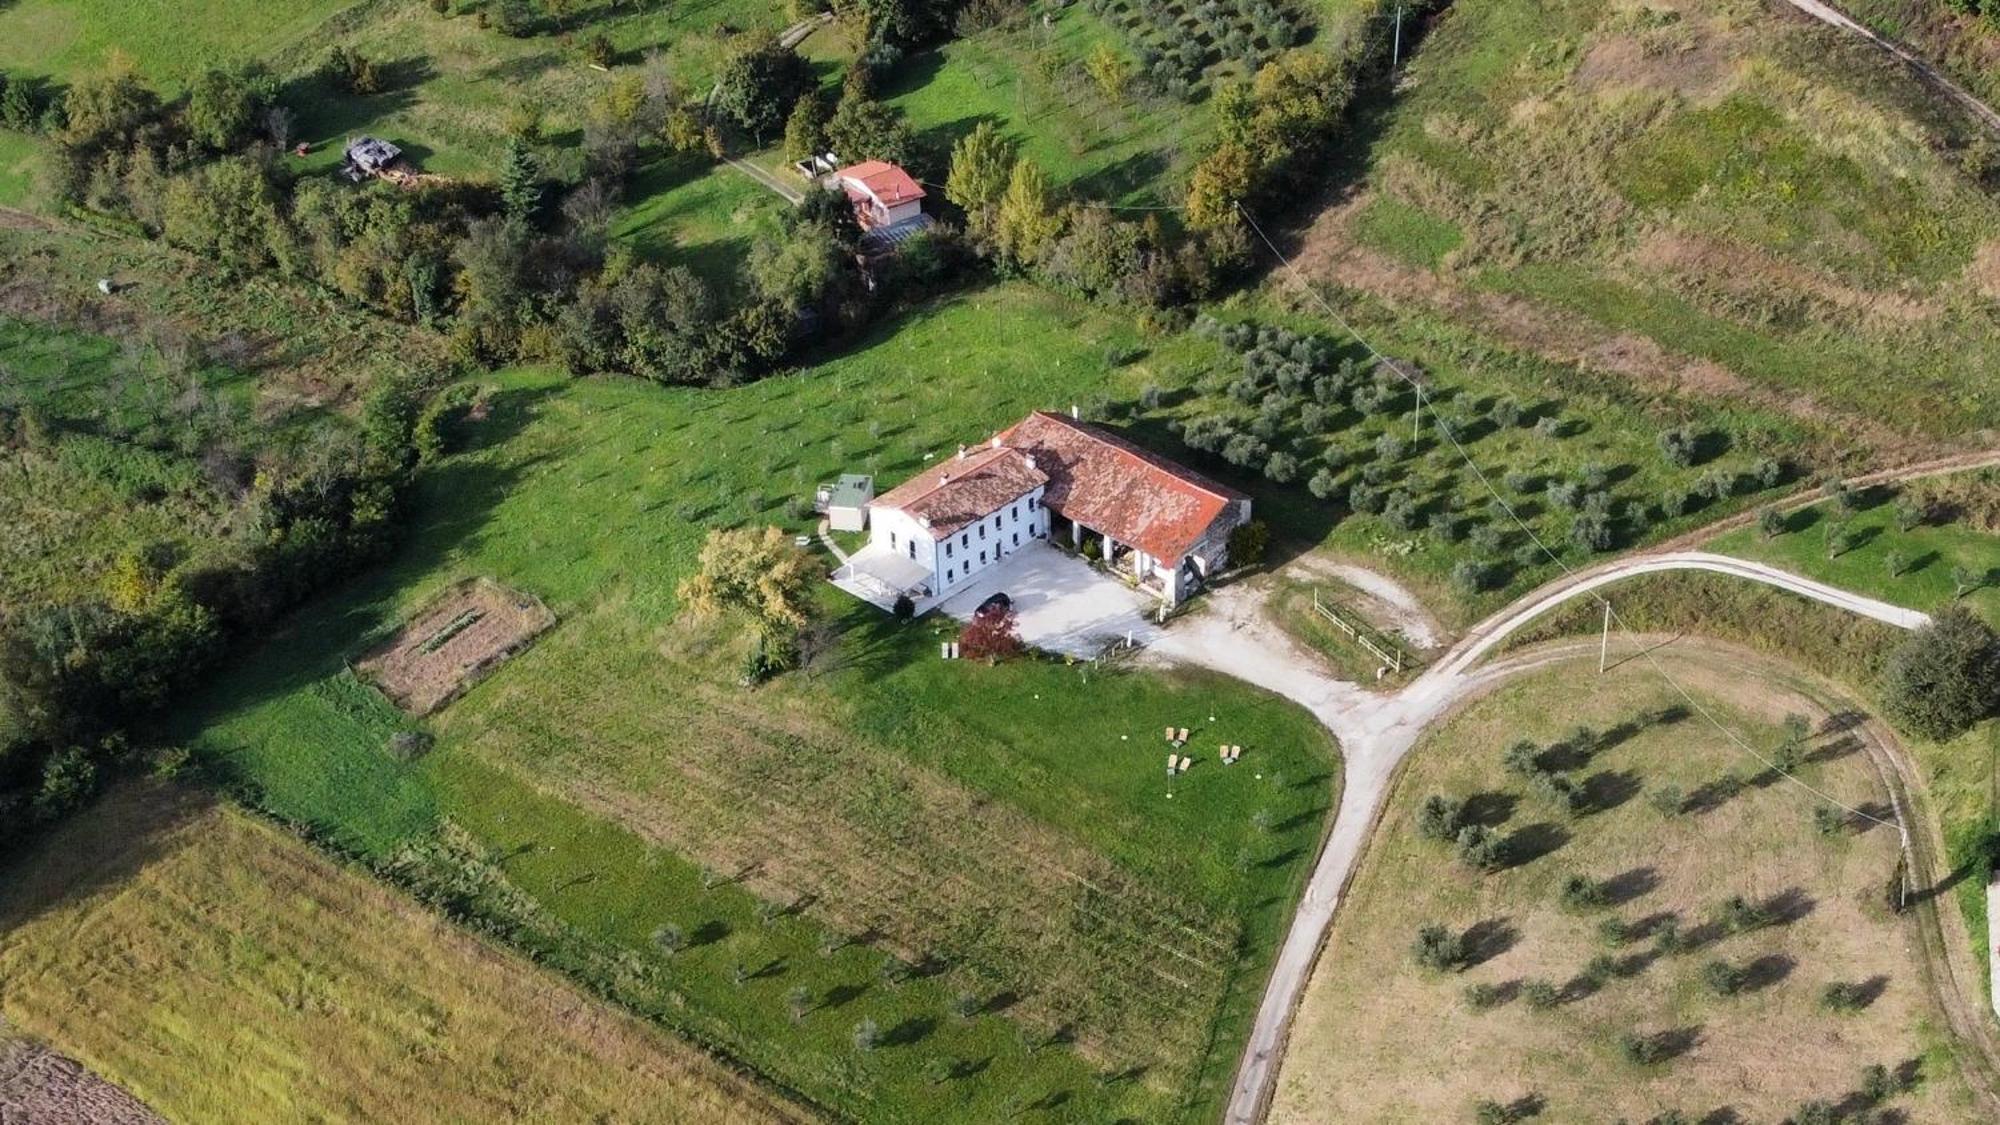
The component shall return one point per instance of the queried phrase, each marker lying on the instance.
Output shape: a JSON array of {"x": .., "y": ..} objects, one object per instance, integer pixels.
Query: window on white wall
[{"x": 913, "y": 548}]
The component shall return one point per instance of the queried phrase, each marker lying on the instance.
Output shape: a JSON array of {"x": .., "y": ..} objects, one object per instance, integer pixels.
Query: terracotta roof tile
[
  {"x": 890, "y": 184},
  {"x": 1110, "y": 485},
  {"x": 962, "y": 490}
]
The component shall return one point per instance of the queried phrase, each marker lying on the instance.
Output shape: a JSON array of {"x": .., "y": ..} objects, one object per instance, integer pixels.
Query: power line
[{"x": 1568, "y": 571}]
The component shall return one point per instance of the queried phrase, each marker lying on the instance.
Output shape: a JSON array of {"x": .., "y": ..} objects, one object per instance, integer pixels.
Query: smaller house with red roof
[
  {"x": 1047, "y": 477},
  {"x": 883, "y": 194}
]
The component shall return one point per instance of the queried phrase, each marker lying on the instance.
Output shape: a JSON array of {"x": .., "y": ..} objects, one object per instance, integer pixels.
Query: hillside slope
[{"x": 1708, "y": 200}]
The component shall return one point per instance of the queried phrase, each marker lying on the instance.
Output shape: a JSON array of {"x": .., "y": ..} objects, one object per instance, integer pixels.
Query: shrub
[
  {"x": 866, "y": 1035},
  {"x": 1549, "y": 426},
  {"x": 1540, "y": 994},
  {"x": 1440, "y": 818},
  {"x": 1481, "y": 848},
  {"x": 1436, "y": 947},
  {"x": 1723, "y": 978},
  {"x": 1614, "y": 932},
  {"x": 670, "y": 939},
  {"x": 409, "y": 745},
  {"x": 1844, "y": 997},
  {"x": 1739, "y": 915},
  {"x": 1391, "y": 447},
  {"x": 1877, "y": 1084},
  {"x": 1282, "y": 468},
  {"x": 1521, "y": 758},
  {"x": 1366, "y": 498},
  {"x": 1771, "y": 523},
  {"x": 1249, "y": 543},
  {"x": 1469, "y": 576},
  {"x": 1668, "y": 939},
  {"x": 68, "y": 779},
  {"x": 1813, "y": 1113},
  {"x": 598, "y": 50},
  {"x": 1644, "y": 1050},
  {"x": 1945, "y": 677},
  {"x": 1581, "y": 892},
  {"x": 1323, "y": 484},
  {"x": 1482, "y": 997},
  {"x": 1767, "y": 472},
  {"x": 1667, "y": 800},
  {"x": 904, "y": 608}
]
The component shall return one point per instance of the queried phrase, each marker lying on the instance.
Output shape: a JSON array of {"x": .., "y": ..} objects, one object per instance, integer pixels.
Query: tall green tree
[
  {"x": 1028, "y": 220},
  {"x": 1945, "y": 678},
  {"x": 520, "y": 182},
  {"x": 759, "y": 86},
  {"x": 981, "y": 163},
  {"x": 225, "y": 107}
]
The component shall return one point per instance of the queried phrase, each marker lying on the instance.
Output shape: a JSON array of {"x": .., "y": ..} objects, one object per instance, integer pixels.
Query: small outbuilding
[
  {"x": 368, "y": 156},
  {"x": 845, "y": 501}
]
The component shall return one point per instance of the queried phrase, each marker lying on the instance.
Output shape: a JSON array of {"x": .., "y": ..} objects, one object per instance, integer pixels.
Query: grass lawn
[
  {"x": 167, "y": 42},
  {"x": 1381, "y": 1039},
  {"x": 1127, "y": 151},
  {"x": 19, "y": 157},
  {"x": 1925, "y": 556},
  {"x": 218, "y": 968},
  {"x": 1004, "y": 831},
  {"x": 1709, "y": 204},
  {"x": 699, "y": 215}
]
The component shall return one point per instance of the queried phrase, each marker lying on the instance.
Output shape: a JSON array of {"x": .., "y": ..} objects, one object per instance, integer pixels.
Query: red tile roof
[
  {"x": 964, "y": 489},
  {"x": 889, "y": 183},
  {"x": 1110, "y": 485}
]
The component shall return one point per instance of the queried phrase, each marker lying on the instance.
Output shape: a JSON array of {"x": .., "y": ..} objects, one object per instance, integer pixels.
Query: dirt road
[
  {"x": 1931, "y": 75},
  {"x": 1376, "y": 731}
]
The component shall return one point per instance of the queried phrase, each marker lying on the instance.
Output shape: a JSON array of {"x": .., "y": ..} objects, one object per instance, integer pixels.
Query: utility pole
[
  {"x": 1396, "y": 55},
  {"x": 1604, "y": 644},
  {"x": 1417, "y": 416}
]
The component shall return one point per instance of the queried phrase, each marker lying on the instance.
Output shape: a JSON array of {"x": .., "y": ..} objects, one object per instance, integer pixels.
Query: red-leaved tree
[{"x": 992, "y": 636}]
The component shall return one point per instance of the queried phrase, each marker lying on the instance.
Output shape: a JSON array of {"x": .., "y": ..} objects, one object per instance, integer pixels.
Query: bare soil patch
[
  {"x": 40, "y": 1087},
  {"x": 1984, "y": 269},
  {"x": 459, "y": 638}
]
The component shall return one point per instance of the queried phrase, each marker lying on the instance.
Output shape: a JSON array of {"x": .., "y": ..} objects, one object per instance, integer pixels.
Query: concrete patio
[{"x": 1062, "y": 603}]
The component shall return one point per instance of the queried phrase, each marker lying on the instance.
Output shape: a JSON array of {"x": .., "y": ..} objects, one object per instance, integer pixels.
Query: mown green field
[
  {"x": 167, "y": 42},
  {"x": 1031, "y": 83},
  {"x": 1709, "y": 201},
  {"x": 698, "y": 215},
  {"x": 1006, "y": 830},
  {"x": 1921, "y": 567}
]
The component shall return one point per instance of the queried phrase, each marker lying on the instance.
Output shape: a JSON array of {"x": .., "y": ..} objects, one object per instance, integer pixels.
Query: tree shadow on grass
[
  {"x": 1531, "y": 842},
  {"x": 916, "y": 1029},
  {"x": 1624, "y": 887},
  {"x": 1491, "y": 809},
  {"x": 1607, "y": 789},
  {"x": 1485, "y": 940},
  {"x": 1766, "y": 971}
]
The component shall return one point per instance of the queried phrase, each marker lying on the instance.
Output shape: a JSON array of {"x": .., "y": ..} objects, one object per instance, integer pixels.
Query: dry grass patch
[
  {"x": 1381, "y": 1039},
  {"x": 461, "y": 636},
  {"x": 224, "y": 972}
]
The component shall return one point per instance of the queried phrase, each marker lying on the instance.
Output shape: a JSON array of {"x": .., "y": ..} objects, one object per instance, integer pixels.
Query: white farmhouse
[{"x": 1048, "y": 475}]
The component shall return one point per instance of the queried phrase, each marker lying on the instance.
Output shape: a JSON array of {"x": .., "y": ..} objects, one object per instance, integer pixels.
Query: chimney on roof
[{"x": 961, "y": 453}]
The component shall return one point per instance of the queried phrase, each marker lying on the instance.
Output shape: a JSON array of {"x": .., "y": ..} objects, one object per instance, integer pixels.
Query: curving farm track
[{"x": 1376, "y": 731}]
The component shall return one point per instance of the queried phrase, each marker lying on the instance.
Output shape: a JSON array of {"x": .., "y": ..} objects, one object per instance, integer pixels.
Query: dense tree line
[{"x": 76, "y": 673}]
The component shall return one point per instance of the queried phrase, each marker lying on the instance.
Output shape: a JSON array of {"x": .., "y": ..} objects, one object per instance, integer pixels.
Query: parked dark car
[{"x": 998, "y": 603}]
